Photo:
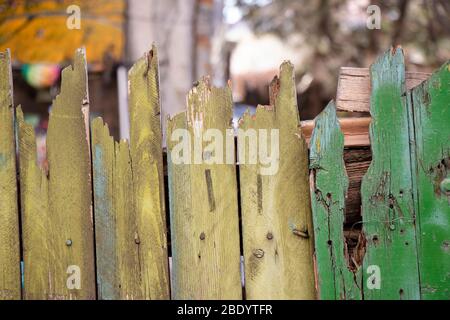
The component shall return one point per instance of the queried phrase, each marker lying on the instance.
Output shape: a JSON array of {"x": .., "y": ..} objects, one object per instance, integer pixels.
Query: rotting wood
[
  {"x": 203, "y": 201},
  {"x": 276, "y": 208},
  {"x": 357, "y": 161},
  {"x": 390, "y": 266},
  {"x": 336, "y": 278},
  {"x": 10, "y": 287},
  {"x": 132, "y": 261},
  {"x": 353, "y": 89},
  {"x": 57, "y": 221},
  {"x": 429, "y": 104}
]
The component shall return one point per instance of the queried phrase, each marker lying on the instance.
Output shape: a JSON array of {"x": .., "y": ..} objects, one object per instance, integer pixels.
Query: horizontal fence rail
[{"x": 253, "y": 213}]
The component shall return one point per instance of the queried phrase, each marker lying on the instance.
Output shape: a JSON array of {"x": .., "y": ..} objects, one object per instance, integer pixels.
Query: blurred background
[{"x": 241, "y": 40}]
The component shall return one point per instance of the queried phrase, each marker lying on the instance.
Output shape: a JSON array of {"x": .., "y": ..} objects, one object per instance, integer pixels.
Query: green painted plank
[
  {"x": 131, "y": 233},
  {"x": 335, "y": 278},
  {"x": 56, "y": 209},
  {"x": 276, "y": 208},
  {"x": 203, "y": 197},
  {"x": 9, "y": 215},
  {"x": 430, "y": 106},
  {"x": 390, "y": 266}
]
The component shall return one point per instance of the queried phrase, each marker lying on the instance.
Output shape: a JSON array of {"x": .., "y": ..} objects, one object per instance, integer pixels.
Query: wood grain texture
[
  {"x": 56, "y": 208},
  {"x": 203, "y": 200},
  {"x": 148, "y": 177},
  {"x": 387, "y": 195},
  {"x": 356, "y": 131},
  {"x": 353, "y": 91},
  {"x": 430, "y": 107},
  {"x": 276, "y": 207},
  {"x": 9, "y": 214},
  {"x": 330, "y": 184},
  {"x": 132, "y": 261}
]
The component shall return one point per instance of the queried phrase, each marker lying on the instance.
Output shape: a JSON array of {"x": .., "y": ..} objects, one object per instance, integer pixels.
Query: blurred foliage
[{"x": 337, "y": 35}]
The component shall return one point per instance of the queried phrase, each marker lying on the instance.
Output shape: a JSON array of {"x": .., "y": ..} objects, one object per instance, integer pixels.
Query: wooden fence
[{"x": 94, "y": 225}]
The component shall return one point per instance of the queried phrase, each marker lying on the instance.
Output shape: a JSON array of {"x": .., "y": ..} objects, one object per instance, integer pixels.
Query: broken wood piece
[
  {"x": 429, "y": 103},
  {"x": 131, "y": 232},
  {"x": 353, "y": 91},
  {"x": 57, "y": 217},
  {"x": 338, "y": 278},
  {"x": 203, "y": 197},
  {"x": 276, "y": 208},
  {"x": 386, "y": 191},
  {"x": 10, "y": 279},
  {"x": 356, "y": 131}
]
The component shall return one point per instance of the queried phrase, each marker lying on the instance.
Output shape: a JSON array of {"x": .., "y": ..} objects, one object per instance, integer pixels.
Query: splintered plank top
[
  {"x": 131, "y": 231},
  {"x": 203, "y": 199},
  {"x": 56, "y": 209},
  {"x": 275, "y": 198},
  {"x": 9, "y": 216},
  {"x": 148, "y": 176},
  {"x": 335, "y": 278}
]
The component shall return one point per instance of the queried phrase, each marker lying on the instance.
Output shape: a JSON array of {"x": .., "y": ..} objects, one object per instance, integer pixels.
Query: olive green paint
[
  {"x": 57, "y": 218},
  {"x": 9, "y": 216},
  {"x": 204, "y": 207},
  {"x": 132, "y": 261},
  {"x": 276, "y": 208}
]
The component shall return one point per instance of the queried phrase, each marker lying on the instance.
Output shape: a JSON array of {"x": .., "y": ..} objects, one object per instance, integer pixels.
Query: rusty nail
[
  {"x": 269, "y": 236},
  {"x": 302, "y": 234},
  {"x": 136, "y": 239},
  {"x": 259, "y": 253},
  {"x": 202, "y": 236}
]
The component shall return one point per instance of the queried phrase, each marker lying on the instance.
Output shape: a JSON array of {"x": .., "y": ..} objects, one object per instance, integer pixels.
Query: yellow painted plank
[
  {"x": 131, "y": 232},
  {"x": 56, "y": 209},
  {"x": 9, "y": 216},
  {"x": 276, "y": 207},
  {"x": 203, "y": 197},
  {"x": 148, "y": 176},
  {"x": 35, "y": 215}
]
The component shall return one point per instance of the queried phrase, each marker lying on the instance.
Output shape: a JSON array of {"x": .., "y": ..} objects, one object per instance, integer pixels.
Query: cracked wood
[
  {"x": 9, "y": 215},
  {"x": 276, "y": 209},
  {"x": 132, "y": 261}
]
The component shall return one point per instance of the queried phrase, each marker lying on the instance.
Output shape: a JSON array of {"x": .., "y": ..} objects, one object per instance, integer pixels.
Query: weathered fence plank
[
  {"x": 56, "y": 209},
  {"x": 390, "y": 263},
  {"x": 430, "y": 107},
  {"x": 132, "y": 261},
  {"x": 276, "y": 207},
  {"x": 9, "y": 215},
  {"x": 103, "y": 168},
  {"x": 148, "y": 176},
  {"x": 203, "y": 197},
  {"x": 335, "y": 278}
]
